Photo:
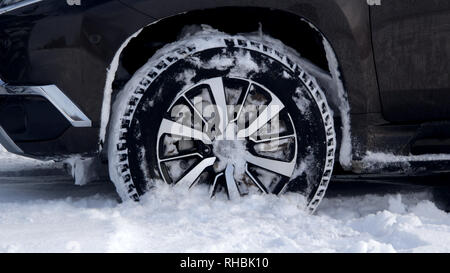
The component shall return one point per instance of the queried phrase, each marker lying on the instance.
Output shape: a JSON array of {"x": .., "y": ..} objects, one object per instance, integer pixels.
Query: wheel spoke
[
  {"x": 175, "y": 128},
  {"x": 232, "y": 189},
  {"x": 212, "y": 189},
  {"x": 274, "y": 107},
  {"x": 256, "y": 181},
  {"x": 193, "y": 174},
  {"x": 266, "y": 149},
  {"x": 243, "y": 102},
  {"x": 277, "y": 166},
  {"x": 218, "y": 92},
  {"x": 195, "y": 109},
  {"x": 180, "y": 157}
]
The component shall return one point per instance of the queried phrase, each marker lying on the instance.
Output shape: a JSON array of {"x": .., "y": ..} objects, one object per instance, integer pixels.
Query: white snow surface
[
  {"x": 55, "y": 218},
  {"x": 373, "y": 161},
  {"x": 389, "y": 158}
]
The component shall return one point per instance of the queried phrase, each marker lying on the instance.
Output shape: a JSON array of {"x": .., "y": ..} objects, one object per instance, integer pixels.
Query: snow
[
  {"x": 375, "y": 161},
  {"x": 302, "y": 103},
  {"x": 84, "y": 170},
  {"x": 241, "y": 62},
  {"x": 345, "y": 152},
  {"x": 13, "y": 163},
  {"x": 60, "y": 217},
  {"x": 391, "y": 158},
  {"x": 110, "y": 75},
  {"x": 39, "y": 215}
]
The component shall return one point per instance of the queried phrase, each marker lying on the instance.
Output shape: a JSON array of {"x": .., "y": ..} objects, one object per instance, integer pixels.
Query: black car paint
[
  {"x": 412, "y": 49},
  {"x": 52, "y": 42},
  {"x": 71, "y": 46}
]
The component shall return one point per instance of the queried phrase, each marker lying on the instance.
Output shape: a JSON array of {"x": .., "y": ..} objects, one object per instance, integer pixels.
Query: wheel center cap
[
  {"x": 230, "y": 152},
  {"x": 228, "y": 148}
]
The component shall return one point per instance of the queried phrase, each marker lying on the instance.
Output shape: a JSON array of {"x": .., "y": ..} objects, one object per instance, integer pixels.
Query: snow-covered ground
[{"x": 37, "y": 215}]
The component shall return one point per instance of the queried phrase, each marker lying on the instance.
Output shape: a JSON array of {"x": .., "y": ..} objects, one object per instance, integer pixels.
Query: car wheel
[{"x": 227, "y": 113}]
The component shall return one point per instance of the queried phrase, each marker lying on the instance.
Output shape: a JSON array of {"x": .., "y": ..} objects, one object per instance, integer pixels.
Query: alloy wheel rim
[{"x": 236, "y": 142}]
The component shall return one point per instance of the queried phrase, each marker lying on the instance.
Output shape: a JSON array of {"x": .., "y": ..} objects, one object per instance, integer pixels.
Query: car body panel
[
  {"x": 412, "y": 49},
  {"x": 50, "y": 42}
]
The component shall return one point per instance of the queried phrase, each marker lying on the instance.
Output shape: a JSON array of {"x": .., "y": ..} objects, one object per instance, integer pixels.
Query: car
[{"x": 236, "y": 97}]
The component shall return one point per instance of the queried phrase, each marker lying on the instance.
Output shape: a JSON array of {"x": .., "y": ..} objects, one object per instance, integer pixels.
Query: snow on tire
[{"x": 228, "y": 113}]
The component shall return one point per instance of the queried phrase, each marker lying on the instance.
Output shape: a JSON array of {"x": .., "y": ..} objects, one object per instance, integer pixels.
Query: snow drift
[{"x": 56, "y": 217}]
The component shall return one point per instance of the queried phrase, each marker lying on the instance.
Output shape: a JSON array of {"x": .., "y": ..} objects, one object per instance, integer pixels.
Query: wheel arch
[{"x": 313, "y": 46}]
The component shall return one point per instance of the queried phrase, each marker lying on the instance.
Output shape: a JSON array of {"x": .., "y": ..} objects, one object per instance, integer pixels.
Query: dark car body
[{"x": 393, "y": 58}]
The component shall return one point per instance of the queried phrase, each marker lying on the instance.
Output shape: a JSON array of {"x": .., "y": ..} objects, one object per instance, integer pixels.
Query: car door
[{"x": 411, "y": 40}]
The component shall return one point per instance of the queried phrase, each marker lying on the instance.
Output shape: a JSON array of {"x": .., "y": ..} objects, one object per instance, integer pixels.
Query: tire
[{"x": 146, "y": 143}]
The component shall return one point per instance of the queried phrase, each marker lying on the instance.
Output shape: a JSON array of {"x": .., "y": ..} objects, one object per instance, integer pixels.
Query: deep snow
[{"x": 56, "y": 216}]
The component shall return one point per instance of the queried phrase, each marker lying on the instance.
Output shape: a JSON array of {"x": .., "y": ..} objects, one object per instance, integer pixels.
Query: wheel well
[
  {"x": 286, "y": 27},
  {"x": 294, "y": 31}
]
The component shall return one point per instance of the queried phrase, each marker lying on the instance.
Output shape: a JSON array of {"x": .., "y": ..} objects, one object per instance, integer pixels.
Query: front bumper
[{"x": 49, "y": 94}]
